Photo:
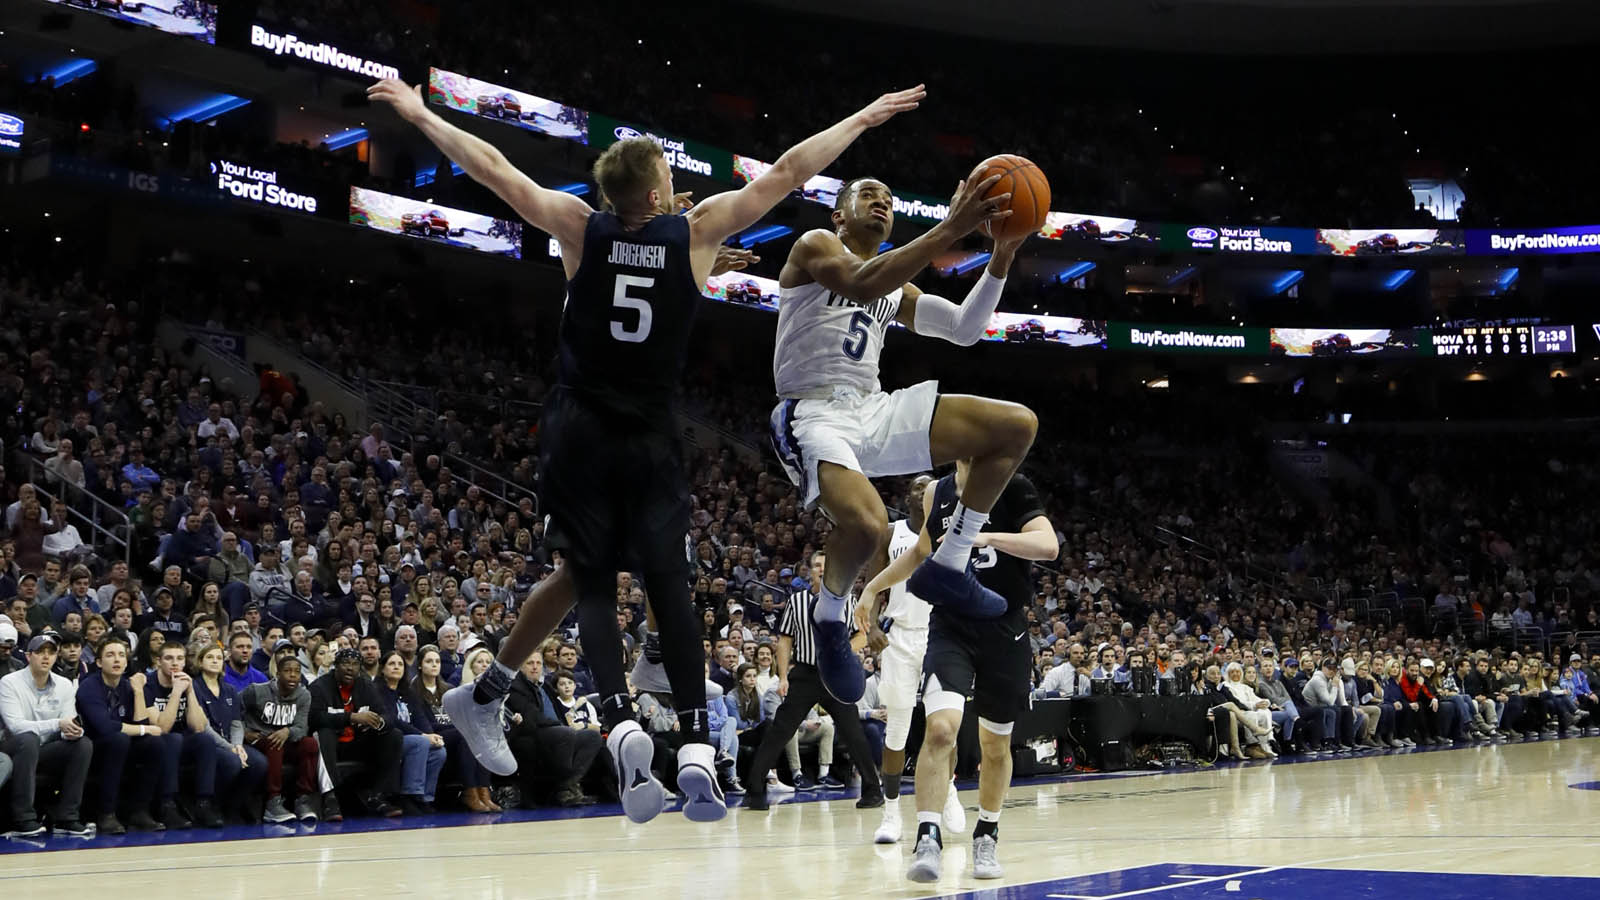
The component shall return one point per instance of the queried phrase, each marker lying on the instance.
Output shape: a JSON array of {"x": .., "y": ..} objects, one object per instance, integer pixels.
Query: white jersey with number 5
[
  {"x": 826, "y": 341},
  {"x": 905, "y": 608}
]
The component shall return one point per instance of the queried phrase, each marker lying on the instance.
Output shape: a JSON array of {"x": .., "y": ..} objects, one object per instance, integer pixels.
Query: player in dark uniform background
[
  {"x": 986, "y": 658},
  {"x": 611, "y": 478}
]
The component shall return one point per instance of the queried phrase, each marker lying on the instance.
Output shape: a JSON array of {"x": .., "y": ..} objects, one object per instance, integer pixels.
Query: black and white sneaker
[
  {"x": 26, "y": 831},
  {"x": 73, "y": 828},
  {"x": 642, "y": 795},
  {"x": 697, "y": 779}
]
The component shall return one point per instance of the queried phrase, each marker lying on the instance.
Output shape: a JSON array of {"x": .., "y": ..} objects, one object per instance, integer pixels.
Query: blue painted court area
[{"x": 1179, "y": 881}]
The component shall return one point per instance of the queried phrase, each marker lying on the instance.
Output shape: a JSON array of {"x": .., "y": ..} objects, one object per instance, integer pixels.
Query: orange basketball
[{"x": 1030, "y": 195}]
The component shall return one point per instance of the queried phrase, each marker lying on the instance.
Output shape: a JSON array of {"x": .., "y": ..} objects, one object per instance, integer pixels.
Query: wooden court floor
[{"x": 1521, "y": 809}]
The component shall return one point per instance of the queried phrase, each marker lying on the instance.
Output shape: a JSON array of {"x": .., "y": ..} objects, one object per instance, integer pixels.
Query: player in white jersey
[
  {"x": 901, "y": 645},
  {"x": 834, "y": 427}
]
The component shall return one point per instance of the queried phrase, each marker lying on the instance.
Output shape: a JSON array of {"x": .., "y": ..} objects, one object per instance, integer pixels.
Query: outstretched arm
[
  {"x": 729, "y": 213},
  {"x": 1036, "y": 541},
  {"x": 907, "y": 562},
  {"x": 560, "y": 214}
]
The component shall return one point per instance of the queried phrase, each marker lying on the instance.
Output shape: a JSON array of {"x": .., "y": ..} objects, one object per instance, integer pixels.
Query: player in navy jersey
[
  {"x": 611, "y": 479},
  {"x": 987, "y": 659}
]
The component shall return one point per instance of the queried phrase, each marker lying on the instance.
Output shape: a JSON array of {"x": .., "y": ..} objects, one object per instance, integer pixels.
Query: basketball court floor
[{"x": 1513, "y": 822}]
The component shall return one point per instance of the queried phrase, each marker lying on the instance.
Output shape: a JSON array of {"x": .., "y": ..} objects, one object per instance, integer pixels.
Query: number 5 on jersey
[
  {"x": 620, "y": 298},
  {"x": 856, "y": 344}
]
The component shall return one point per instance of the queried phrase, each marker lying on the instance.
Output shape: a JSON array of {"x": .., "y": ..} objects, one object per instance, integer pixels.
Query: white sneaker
[
  {"x": 479, "y": 724},
  {"x": 927, "y": 860},
  {"x": 889, "y": 829},
  {"x": 775, "y": 785},
  {"x": 697, "y": 779},
  {"x": 955, "y": 818},
  {"x": 986, "y": 858},
  {"x": 632, "y": 751}
]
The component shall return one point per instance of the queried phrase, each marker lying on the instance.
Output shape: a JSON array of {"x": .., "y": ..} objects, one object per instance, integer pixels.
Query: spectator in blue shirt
[
  {"x": 191, "y": 545},
  {"x": 78, "y": 598},
  {"x": 136, "y": 473},
  {"x": 237, "y": 671},
  {"x": 239, "y": 767},
  {"x": 115, "y": 719}
]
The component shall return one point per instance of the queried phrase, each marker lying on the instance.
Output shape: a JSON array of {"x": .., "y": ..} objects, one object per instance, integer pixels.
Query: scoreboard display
[{"x": 1503, "y": 340}]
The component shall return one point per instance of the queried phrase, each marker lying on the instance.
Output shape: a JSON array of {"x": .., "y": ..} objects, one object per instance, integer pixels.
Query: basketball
[{"x": 1030, "y": 195}]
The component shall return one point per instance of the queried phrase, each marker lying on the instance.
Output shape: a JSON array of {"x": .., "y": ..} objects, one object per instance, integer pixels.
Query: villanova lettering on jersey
[
  {"x": 880, "y": 309},
  {"x": 639, "y": 256}
]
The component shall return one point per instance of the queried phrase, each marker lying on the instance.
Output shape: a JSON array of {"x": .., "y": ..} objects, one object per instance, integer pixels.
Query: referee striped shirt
[{"x": 796, "y": 623}]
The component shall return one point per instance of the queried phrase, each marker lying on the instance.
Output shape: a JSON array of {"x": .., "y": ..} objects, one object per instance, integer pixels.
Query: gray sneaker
[
  {"x": 276, "y": 812},
  {"x": 985, "y": 857},
  {"x": 481, "y": 729},
  {"x": 305, "y": 809},
  {"x": 926, "y": 860}
]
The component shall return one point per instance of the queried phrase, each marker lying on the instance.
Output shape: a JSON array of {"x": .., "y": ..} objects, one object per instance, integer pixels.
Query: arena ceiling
[{"x": 1244, "y": 26}]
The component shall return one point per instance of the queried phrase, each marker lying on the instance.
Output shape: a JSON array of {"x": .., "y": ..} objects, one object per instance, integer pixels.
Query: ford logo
[
  {"x": 1202, "y": 234},
  {"x": 624, "y": 133},
  {"x": 10, "y": 125}
]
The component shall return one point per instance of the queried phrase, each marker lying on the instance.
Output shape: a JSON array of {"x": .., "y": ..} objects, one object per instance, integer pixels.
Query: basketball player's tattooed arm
[
  {"x": 560, "y": 214},
  {"x": 733, "y": 211},
  {"x": 822, "y": 256}
]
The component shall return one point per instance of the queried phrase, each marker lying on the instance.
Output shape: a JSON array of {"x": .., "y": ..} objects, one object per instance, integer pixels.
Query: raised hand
[
  {"x": 406, "y": 100},
  {"x": 886, "y": 107},
  {"x": 732, "y": 259},
  {"x": 969, "y": 208}
]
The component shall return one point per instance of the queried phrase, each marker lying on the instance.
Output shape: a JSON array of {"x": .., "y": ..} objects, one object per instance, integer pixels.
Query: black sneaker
[
  {"x": 141, "y": 820},
  {"x": 756, "y": 800},
  {"x": 110, "y": 824},
  {"x": 378, "y": 806},
  {"x": 410, "y": 806},
  {"x": 830, "y": 782},
  {"x": 26, "y": 830},
  {"x": 870, "y": 801},
  {"x": 205, "y": 812},
  {"x": 69, "y": 828},
  {"x": 330, "y": 808},
  {"x": 173, "y": 817}
]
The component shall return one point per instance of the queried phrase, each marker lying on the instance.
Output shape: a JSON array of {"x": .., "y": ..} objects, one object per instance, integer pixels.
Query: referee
[{"x": 801, "y": 688}]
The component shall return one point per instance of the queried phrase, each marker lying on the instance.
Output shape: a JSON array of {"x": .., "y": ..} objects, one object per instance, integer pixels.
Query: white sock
[
  {"x": 985, "y": 815},
  {"x": 829, "y": 607},
  {"x": 931, "y": 818},
  {"x": 957, "y": 546}
]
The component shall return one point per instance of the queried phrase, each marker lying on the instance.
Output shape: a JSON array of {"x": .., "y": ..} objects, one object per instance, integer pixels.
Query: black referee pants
[{"x": 806, "y": 691}]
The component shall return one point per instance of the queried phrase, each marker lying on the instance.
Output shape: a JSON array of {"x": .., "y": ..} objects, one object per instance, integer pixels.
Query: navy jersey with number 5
[
  {"x": 1006, "y": 575},
  {"x": 629, "y": 310}
]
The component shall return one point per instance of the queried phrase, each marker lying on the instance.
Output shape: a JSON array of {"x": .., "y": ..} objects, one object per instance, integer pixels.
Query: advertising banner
[
  {"x": 744, "y": 290},
  {"x": 683, "y": 155},
  {"x": 1251, "y": 239},
  {"x": 104, "y": 175},
  {"x": 187, "y": 18},
  {"x": 492, "y": 101},
  {"x": 279, "y": 41},
  {"x": 1349, "y": 341},
  {"x": 1016, "y": 328},
  {"x": 820, "y": 189},
  {"x": 1065, "y": 226},
  {"x": 1535, "y": 241},
  {"x": 436, "y": 224},
  {"x": 1188, "y": 338},
  {"x": 11, "y": 132},
  {"x": 1390, "y": 241},
  {"x": 921, "y": 208},
  {"x": 260, "y": 186}
]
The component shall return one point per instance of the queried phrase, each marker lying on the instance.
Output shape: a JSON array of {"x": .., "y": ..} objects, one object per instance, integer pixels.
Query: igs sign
[
  {"x": 259, "y": 186},
  {"x": 10, "y": 133}
]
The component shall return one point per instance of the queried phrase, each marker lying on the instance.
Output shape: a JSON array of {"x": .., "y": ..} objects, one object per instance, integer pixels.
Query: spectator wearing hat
[
  {"x": 348, "y": 726},
  {"x": 164, "y": 615},
  {"x": 237, "y": 670},
  {"x": 269, "y": 580},
  {"x": 277, "y": 717},
  {"x": 111, "y": 704},
  {"x": 39, "y": 721},
  {"x": 70, "y": 663},
  {"x": 1326, "y": 709},
  {"x": 1270, "y": 685}
]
